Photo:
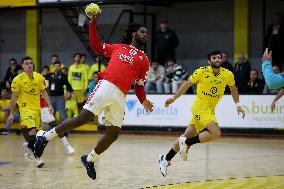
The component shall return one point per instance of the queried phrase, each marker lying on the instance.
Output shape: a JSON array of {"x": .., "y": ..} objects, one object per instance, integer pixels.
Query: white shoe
[
  {"x": 38, "y": 162},
  {"x": 28, "y": 152},
  {"x": 163, "y": 165},
  {"x": 183, "y": 148},
  {"x": 69, "y": 149}
]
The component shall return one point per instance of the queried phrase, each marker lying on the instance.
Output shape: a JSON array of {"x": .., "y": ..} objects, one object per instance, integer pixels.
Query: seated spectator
[
  {"x": 5, "y": 111},
  {"x": 255, "y": 85},
  {"x": 11, "y": 72},
  {"x": 175, "y": 75},
  {"x": 266, "y": 89},
  {"x": 155, "y": 78},
  {"x": 54, "y": 58},
  {"x": 92, "y": 84},
  {"x": 242, "y": 72}
]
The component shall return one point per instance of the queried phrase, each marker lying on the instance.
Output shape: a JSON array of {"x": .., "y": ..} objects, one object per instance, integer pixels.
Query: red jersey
[{"x": 127, "y": 63}]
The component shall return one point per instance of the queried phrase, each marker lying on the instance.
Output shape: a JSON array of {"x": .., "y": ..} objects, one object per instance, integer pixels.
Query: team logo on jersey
[
  {"x": 141, "y": 57},
  {"x": 213, "y": 90}
]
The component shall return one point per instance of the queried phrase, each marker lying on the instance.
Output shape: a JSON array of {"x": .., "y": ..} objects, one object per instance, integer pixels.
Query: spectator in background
[
  {"x": 175, "y": 75},
  {"x": 155, "y": 78},
  {"x": 241, "y": 72},
  {"x": 56, "y": 83},
  {"x": 54, "y": 58},
  {"x": 274, "y": 39},
  {"x": 92, "y": 84},
  {"x": 11, "y": 73},
  {"x": 5, "y": 110},
  {"x": 83, "y": 58},
  {"x": 45, "y": 70},
  {"x": 98, "y": 66},
  {"x": 78, "y": 78},
  {"x": 226, "y": 64},
  {"x": 266, "y": 89},
  {"x": 273, "y": 80},
  {"x": 255, "y": 84},
  {"x": 166, "y": 42},
  {"x": 70, "y": 100}
]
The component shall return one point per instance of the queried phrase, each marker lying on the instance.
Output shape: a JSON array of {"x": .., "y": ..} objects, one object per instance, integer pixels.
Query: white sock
[
  {"x": 49, "y": 135},
  {"x": 64, "y": 140},
  {"x": 93, "y": 156}
]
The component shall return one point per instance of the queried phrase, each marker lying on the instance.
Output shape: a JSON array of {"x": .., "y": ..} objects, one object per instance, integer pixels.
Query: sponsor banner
[{"x": 257, "y": 107}]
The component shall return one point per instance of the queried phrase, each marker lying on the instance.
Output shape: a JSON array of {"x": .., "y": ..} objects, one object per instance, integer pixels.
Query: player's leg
[
  {"x": 60, "y": 106},
  {"x": 165, "y": 160},
  {"x": 104, "y": 143},
  {"x": 213, "y": 133},
  {"x": 43, "y": 137}
]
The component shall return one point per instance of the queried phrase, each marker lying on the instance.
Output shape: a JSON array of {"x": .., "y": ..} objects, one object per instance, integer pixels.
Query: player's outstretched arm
[
  {"x": 92, "y": 11},
  {"x": 235, "y": 95},
  {"x": 182, "y": 89},
  {"x": 46, "y": 98}
]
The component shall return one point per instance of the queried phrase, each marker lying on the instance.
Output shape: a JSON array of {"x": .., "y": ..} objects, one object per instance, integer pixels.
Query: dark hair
[
  {"x": 254, "y": 69},
  {"x": 82, "y": 54},
  {"x": 96, "y": 72},
  {"x": 55, "y": 55},
  {"x": 155, "y": 60},
  {"x": 57, "y": 62},
  {"x": 45, "y": 67},
  {"x": 76, "y": 54},
  {"x": 25, "y": 58},
  {"x": 127, "y": 37},
  {"x": 13, "y": 59},
  {"x": 171, "y": 59},
  {"x": 213, "y": 53},
  {"x": 225, "y": 52}
]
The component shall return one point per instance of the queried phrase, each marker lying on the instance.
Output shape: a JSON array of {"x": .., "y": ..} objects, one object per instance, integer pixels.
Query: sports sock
[
  {"x": 64, "y": 140},
  {"x": 93, "y": 156},
  {"x": 192, "y": 140},
  {"x": 170, "y": 154},
  {"x": 31, "y": 142},
  {"x": 49, "y": 135}
]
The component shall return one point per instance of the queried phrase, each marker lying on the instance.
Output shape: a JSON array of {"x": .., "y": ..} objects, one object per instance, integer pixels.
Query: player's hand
[
  {"x": 10, "y": 119},
  {"x": 272, "y": 106},
  {"x": 50, "y": 109},
  {"x": 92, "y": 11},
  {"x": 242, "y": 111},
  {"x": 169, "y": 101},
  {"x": 267, "y": 55},
  {"x": 148, "y": 106}
]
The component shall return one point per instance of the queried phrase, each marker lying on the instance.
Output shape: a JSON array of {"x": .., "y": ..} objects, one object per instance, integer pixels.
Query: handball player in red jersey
[{"x": 128, "y": 65}]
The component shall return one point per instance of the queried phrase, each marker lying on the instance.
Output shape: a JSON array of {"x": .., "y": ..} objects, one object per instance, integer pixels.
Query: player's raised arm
[{"x": 92, "y": 11}]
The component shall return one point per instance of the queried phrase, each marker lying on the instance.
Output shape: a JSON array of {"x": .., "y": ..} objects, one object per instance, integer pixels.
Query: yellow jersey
[
  {"x": 211, "y": 86},
  {"x": 28, "y": 90},
  {"x": 4, "y": 103},
  {"x": 51, "y": 67},
  {"x": 78, "y": 77},
  {"x": 95, "y": 68}
]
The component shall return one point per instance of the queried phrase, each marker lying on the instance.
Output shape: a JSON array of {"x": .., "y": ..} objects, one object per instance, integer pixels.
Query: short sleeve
[
  {"x": 231, "y": 79},
  {"x": 15, "y": 86},
  {"x": 42, "y": 84},
  {"x": 194, "y": 78}
]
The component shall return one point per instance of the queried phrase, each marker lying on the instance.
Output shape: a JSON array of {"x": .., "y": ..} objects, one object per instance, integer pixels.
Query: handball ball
[{"x": 92, "y": 10}]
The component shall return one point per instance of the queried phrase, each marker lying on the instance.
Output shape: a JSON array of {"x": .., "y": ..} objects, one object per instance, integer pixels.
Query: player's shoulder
[
  {"x": 226, "y": 71},
  {"x": 38, "y": 76},
  {"x": 202, "y": 69},
  {"x": 21, "y": 76}
]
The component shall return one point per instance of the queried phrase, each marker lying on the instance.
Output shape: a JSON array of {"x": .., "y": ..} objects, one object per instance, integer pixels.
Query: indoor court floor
[{"x": 132, "y": 162}]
